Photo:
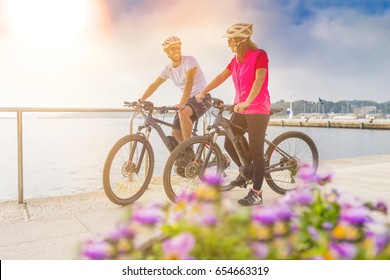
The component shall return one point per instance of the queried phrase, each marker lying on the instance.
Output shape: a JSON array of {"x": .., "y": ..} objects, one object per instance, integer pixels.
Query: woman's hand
[{"x": 240, "y": 107}]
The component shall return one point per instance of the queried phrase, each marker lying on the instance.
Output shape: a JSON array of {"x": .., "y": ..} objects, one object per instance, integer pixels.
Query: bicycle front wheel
[
  {"x": 284, "y": 156},
  {"x": 186, "y": 176},
  {"x": 128, "y": 169}
]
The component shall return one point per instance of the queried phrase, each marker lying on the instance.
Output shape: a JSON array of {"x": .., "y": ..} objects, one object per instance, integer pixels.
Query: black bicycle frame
[
  {"x": 226, "y": 124},
  {"x": 149, "y": 124}
]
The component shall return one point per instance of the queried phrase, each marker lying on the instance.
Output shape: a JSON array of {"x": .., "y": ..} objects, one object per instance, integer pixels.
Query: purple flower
[
  {"x": 148, "y": 215},
  {"x": 178, "y": 247},
  {"x": 303, "y": 197},
  {"x": 307, "y": 173},
  {"x": 283, "y": 213},
  {"x": 323, "y": 179},
  {"x": 123, "y": 231},
  {"x": 261, "y": 250},
  {"x": 313, "y": 232},
  {"x": 344, "y": 250},
  {"x": 96, "y": 250},
  {"x": 212, "y": 180},
  {"x": 381, "y": 206},
  {"x": 355, "y": 215},
  {"x": 327, "y": 226},
  {"x": 264, "y": 215},
  {"x": 381, "y": 240},
  {"x": 186, "y": 197},
  {"x": 209, "y": 220}
]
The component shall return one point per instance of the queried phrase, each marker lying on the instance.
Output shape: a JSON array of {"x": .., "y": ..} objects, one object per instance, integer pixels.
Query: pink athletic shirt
[{"x": 244, "y": 74}]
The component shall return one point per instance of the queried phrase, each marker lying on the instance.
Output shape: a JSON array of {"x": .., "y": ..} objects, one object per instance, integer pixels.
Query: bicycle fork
[{"x": 133, "y": 147}]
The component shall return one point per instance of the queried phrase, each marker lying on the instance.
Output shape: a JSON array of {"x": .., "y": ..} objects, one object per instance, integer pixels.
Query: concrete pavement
[{"x": 53, "y": 228}]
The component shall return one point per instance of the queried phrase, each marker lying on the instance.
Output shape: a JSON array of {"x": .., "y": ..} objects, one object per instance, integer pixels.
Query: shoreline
[{"x": 382, "y": 124}]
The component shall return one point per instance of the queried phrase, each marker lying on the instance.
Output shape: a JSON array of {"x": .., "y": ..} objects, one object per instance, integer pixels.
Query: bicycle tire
[
  {"x": 121, "y": 184},
  {"x": 300, "y": 148},
  {"x": 174, "y": 183}
]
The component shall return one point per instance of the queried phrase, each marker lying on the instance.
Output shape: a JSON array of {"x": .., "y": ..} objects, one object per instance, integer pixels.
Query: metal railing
[
  {"x": 19, "y": 119},
  {"x": 19, "y": 116}
]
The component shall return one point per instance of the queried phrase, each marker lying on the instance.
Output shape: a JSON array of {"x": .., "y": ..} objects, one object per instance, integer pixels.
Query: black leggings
[{"x": 256, "y": 125}]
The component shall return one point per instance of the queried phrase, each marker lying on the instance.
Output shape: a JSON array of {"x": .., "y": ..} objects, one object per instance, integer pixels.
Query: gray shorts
[{"x": 198, "y": 109}]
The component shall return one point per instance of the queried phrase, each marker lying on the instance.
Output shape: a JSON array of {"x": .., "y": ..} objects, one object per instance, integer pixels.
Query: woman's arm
[{"x": 217, "y": 81}]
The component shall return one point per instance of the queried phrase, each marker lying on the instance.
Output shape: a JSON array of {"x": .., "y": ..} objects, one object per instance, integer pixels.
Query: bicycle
[
  {"x": 129, "y": 165},
  {"x": 283, "y": 157}
]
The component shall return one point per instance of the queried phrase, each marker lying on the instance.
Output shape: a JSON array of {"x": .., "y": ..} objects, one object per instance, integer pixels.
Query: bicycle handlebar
[{"x": 149, "y": 106}]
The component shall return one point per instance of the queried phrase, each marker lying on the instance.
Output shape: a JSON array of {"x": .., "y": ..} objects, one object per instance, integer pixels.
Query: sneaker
[
  {"x": 239, "y": 182},
  {"x": 252, "y": 198},
  {"x": 185, "y": 157}
]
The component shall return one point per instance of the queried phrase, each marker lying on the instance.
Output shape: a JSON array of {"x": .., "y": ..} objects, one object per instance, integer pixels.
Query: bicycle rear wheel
[
  {"x": 128, "y": 169},
  {"x": 206, "y": 160},
  {"x": 284, "y": 156}
]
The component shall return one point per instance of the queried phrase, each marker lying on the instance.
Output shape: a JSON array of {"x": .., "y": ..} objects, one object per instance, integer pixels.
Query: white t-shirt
[{"x": 178, "y": 74}]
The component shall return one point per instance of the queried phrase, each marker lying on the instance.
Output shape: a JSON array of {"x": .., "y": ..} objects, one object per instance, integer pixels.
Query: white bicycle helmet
[
  {"x": 170, "y": 41},
  {"x": 243, "y": 30}
]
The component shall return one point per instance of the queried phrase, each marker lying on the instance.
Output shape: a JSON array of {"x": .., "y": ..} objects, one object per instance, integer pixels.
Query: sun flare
[{"x": 47, "y": 23}]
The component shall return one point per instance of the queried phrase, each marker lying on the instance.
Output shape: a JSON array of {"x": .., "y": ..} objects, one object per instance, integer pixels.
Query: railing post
[{"x": 20, "y": 155}]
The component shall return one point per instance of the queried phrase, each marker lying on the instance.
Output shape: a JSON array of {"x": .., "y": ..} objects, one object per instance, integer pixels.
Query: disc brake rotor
[
  {"x": 128, "y": 168},
  {"x": 192, "y": 170}
]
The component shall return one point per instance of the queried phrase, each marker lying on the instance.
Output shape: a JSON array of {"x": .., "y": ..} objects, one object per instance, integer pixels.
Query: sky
[{"x": 99, "y": 53}]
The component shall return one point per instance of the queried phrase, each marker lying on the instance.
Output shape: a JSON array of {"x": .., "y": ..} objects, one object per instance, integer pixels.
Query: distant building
[{"x": 364, "y": 110}]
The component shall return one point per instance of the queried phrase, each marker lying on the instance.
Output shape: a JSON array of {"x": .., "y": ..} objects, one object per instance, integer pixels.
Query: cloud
[{"x": 316, "y": 48}]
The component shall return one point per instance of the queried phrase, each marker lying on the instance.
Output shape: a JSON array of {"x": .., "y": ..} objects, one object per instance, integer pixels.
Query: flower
[
  {"x": 213, "y": 180},
  {"x": 178, "y": 248},
  {"x": 344, "y": 250},
  {"x": 97, "y": 250},
  {"x": 150, "y": 215},
  {"x": 260, "y": 249},
  {"x": 313, "y": 232},
  {"x": 311, "y": 222},
  {"x": 355, "y": 215},
  {"x": 303, "y": 197},
  {"x": 123, "y": 231}
]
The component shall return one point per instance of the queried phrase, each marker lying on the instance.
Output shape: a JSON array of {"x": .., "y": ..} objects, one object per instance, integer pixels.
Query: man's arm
[{"x": 152, "y": 88}]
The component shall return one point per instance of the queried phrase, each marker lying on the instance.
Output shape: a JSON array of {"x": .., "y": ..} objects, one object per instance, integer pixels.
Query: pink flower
[
  {"x": 148, "y": 215},
  {"x": 96, "y": 250},
  {"x": 261, "y": 250},
  {"x": 178, "y": 247}
]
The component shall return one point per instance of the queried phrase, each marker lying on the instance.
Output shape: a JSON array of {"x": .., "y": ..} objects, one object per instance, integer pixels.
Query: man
[{"x": 186, "y": 74}]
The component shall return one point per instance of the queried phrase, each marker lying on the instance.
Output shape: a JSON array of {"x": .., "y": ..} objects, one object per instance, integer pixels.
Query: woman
[{"x": 249, "y": 70}]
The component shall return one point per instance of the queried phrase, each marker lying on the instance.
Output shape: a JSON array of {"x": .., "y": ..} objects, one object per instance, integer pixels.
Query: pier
[{"x": 332, "y": 123}]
